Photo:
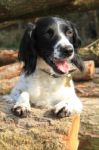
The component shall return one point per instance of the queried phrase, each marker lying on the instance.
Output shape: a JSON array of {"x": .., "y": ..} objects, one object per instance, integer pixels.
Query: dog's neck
[{"x": 44, "y": 67}]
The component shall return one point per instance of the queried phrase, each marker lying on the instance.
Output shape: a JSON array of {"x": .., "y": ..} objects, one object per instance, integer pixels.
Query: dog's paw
[
  {"x": 65, "y": 109},
  {"x": 21, "y": 111},
  {"x": 7, "y": 98},
  {"x": 62, "y": 112}
]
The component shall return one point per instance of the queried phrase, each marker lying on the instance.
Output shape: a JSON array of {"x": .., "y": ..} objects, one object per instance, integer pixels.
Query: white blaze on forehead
[{"x": 63, "y": 42}]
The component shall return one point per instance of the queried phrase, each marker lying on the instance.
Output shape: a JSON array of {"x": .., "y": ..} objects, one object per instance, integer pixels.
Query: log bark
[
  {"x": 89, "y": 132},
  {"x": 6, "y": 85},
  {"x": 39, "y": 131},
  {"x": 10, "y": 71},
  {"x": 88, "y": 57},
  {"x": 7, "y": 57},
  {"x": 13, "y": 70},
  {"x": 9, "y": 75},
  {"x": 42, "y": 131},
  {"x": 89, "y": 88},
  {"x": 88, "y": 73},
  {"x": 91, "y": 52},
  {"x": 11, "y": 10}
]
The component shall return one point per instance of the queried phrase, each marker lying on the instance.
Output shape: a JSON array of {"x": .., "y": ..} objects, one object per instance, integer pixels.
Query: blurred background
[{"x": 14, "y": 15}]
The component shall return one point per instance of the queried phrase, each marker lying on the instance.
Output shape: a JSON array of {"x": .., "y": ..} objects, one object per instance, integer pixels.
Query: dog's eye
[
  {"x": 49, "y": 33},
  {"x": 69, "y": 33}
]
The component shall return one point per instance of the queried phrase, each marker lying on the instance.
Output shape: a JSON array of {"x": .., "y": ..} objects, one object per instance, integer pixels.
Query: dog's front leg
[
  {"x": 22, "y": 106},
  {"x": 66, "y": 107}
]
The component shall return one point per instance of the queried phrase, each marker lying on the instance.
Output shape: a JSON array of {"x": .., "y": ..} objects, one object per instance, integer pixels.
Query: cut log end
[
  {"x": 8, "y": 57},
  {"x": 88, "y": 73}
]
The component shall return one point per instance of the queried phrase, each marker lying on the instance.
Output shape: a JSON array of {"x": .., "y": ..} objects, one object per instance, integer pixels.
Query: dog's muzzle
[{"x": 65, "y": 51}]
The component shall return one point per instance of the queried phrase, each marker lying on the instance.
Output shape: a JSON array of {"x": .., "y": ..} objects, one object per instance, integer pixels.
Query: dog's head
[{"x": 54, "y": 40}]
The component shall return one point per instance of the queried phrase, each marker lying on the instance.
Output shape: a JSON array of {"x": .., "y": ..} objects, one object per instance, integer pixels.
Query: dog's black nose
[
  {"x": 66, "y": 50},
  {"x": 69, "y": 49}
]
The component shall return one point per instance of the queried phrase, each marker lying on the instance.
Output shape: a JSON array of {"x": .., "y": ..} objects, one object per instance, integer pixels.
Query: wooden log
[
  {"x": 93, "y": 57},
  {"x": 87, "y": 74},
  {"x": 89, "y": 88},
  {"x": 91, "y": 52},
  {"x": 7, "y": 57},
  {"x": 13, "y": 70},
  {"x": 42, "y": 131},
  {"x": 89, "y": 131},
  {"x": 9, "y": 74},
  {"x": 11, "y": 10},
  {"x": 10, "y": 71},
  {"x": 7, "y": 84}
]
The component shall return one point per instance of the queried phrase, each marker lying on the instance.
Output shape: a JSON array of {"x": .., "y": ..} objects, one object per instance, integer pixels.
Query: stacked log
[
  {"x": 7, "y": 57},
  {"x": 41, "y": 130},
  {"x": 9, "y": 74},
  {"x": 91, "y": 52},
  {"x": 87, "y": 74}
]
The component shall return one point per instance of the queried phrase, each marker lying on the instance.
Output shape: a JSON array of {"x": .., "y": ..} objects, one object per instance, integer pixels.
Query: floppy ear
[
  {"x": 76, "y": 38},
  {"x": 27, "y": 52},
  {"x": 77, "y": 61}
]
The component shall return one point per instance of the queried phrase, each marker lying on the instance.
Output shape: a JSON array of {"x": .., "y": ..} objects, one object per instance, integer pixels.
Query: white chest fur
[
  {"x": 42, "y": 89},
  {"x": 46, "y": 90}
]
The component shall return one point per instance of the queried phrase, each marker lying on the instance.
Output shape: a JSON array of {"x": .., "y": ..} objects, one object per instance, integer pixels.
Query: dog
[{"x": 48, "y": 47}]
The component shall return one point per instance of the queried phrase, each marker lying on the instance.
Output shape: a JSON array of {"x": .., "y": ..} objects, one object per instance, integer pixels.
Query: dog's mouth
[{"x": 61, "y": 65}]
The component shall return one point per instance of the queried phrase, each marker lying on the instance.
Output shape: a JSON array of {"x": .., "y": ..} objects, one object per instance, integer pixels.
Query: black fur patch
[{"x": 40, "y": 38}]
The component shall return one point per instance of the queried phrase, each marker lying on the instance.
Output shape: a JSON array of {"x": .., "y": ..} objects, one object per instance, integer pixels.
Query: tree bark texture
[
  {"x": 91, "y": 52},
  {"x": 16, "y": 9},
  {"x": 87, "y": 74},
  {"x": 9, "y": 75},
  {"x": 42, "y": 131},
  {"x": 7, "y": 57},
  {"x": 89, "y": 132},
  {"x": 10, "y": 71}
]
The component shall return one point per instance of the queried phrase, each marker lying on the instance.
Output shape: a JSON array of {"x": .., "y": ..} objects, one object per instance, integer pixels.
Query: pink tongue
[{"x": 62, "y": 65}]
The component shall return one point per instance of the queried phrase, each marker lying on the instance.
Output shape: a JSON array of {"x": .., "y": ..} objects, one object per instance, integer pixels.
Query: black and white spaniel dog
[{"x": 47, "y": 49}]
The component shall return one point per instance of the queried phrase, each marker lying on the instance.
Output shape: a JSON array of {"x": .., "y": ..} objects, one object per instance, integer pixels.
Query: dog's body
[{"x": 46, "y": 50}]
